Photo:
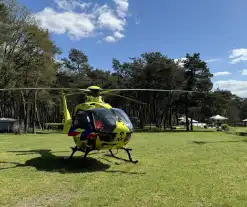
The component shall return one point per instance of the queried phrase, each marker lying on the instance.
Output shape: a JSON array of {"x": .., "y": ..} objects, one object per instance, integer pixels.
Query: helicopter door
[{"x": 82, "y": 120}]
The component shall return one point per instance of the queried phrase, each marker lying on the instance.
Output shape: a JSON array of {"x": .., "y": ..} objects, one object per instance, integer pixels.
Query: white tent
[
  {"x": 218, "y": 117},
  {"x": 184, "y": 120},
  {"x": 245, "y": 120}
]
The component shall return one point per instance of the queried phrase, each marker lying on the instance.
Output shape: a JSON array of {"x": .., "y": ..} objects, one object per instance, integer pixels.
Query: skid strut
[
  {"x": 86, "y": 152},
  {"x": 127, "y": 150},
  {"x": 75, "y": 149}
]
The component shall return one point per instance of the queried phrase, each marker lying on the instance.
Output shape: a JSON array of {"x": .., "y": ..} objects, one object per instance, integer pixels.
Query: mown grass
[
  {"x": 238, "y": 129},
  {"x": 174, "y": 169}
]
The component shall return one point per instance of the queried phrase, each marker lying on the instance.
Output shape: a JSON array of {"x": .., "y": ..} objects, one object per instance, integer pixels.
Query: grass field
[
  {"x": 239, "y": 129},
  {"x": 174, "y": 169}
]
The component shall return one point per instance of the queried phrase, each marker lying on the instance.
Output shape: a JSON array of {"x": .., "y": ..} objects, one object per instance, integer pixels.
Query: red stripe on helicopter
[
  {"x": 72, "y": 132},
  {"x": 92, "y": 136}
]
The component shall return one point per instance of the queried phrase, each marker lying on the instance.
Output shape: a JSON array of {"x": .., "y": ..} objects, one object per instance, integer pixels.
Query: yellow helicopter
[{"x": 95, "y": 124}]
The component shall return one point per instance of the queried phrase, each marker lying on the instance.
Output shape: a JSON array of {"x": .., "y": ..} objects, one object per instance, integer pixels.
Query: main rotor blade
[
  {"x": 76, "y": 93},
  {"x": 130, "y": 99},
  {"x": 158, "y": 90},
  {"x": 17, "y": 89}
]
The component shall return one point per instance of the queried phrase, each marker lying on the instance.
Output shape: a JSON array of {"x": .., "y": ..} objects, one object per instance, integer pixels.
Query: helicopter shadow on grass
[
  {"x": 49, "y": 132},
  {"x": 51, "y": 163}
]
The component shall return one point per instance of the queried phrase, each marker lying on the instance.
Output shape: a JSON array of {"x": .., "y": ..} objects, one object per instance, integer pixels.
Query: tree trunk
[
  {"x": 170, "y": 118},
  {"x": 191, "y": 123},
  {"x": 34, "y": 111},
  {"x": 26, "y": 116},
  {"x": 150, "y": 116},
  {"x": 38, "y": 117},
  {"x": 186, "y": 112},
  {"x": 142, "y": 123}
]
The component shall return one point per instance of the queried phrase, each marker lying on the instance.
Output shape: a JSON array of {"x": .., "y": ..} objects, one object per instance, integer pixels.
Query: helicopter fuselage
[{"x": 99, "y": 126}]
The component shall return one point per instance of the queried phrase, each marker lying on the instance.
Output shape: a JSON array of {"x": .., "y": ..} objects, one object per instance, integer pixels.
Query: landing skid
[
  {"x": 75, "y": 149},
  {"x": 127, "y": 150}
]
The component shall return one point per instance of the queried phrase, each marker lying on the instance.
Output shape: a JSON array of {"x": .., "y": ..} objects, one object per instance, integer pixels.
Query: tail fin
[{"x": 67, "y": 117}]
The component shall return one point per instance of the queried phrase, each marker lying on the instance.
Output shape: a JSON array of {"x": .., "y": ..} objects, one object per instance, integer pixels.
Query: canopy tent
[
  {"x": 218, "y": 117},
  {"x": 245, "y": 122}
]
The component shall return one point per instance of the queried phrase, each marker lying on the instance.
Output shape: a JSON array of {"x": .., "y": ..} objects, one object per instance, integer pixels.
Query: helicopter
[{"x": 95, "y": 125}]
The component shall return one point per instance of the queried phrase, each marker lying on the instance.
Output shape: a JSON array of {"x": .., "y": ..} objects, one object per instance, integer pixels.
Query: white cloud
[
  {"x": 109, "y": 39},
  {"x": 222, "y": 73},
  {"x": 118, "y": 35},
  {"x": 238, "y": 55},
  {"x": 67, "y": 22},
  {"x": 122, "y": 7},
  {"x": 107, "y": 19},
  {"x": 235, "y": 86},
  {"x": 69, "y": 5},
  {"x": 58, "y": 61},
  {"x": 180, "y": 61},
  {"x": 80, "y": 19},
  {"x": 244, "y": 72},
  {"x": 213, "y": 60}
]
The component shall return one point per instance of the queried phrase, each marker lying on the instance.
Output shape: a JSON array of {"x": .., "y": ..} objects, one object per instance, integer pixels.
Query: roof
[{"x": 7, "y": 119}]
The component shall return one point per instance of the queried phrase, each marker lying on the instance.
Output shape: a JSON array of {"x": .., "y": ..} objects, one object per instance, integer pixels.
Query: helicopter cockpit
[{"x": 101, "y": 120}]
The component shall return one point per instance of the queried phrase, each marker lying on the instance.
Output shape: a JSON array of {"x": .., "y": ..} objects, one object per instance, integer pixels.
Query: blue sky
[{"x": 122, "y": 29}]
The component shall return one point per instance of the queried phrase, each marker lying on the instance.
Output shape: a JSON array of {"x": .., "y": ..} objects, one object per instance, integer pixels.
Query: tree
[
  {"x": 243, "y": 109},
  {"x": 27, "y": 57},
  {"x": 76, "y": 62},
  {"x": 198, "y": 78},
  {"x": 151, "y": 70}
]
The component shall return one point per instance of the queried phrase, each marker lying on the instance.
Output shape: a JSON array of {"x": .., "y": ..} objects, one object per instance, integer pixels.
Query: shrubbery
[
  {"x": 225, "y": 127},
  {"x": 241, "y": 133}
]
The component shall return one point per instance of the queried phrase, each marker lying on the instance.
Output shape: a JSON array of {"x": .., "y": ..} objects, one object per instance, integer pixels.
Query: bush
[
  {"x": 18, "y": 131},
  {"x": 225, "y": 127},
  {"x": 241, "y": 133}
]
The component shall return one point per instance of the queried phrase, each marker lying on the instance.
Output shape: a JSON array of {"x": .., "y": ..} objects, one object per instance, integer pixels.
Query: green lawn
[
  {"x": 174, "y": 169},
  {"x": 239, "y": 129}
]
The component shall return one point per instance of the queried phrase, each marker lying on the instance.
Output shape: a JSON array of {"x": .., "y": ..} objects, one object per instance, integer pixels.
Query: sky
[{"x": 121, "y": 29}]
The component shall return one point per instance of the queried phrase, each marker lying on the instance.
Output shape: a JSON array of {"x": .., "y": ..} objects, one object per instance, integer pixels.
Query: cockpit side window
[
  {"x": 124, "y": 117},
  {"x": 82, "y": 120}
]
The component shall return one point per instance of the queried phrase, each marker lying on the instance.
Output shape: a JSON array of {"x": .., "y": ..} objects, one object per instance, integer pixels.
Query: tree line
[{"x": 28, "y": 59}]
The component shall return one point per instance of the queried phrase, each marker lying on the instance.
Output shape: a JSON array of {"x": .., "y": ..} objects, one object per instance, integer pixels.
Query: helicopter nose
[{"x": 122, "y": 132}]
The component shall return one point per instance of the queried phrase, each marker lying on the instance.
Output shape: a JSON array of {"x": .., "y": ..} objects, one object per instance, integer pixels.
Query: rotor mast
[{"x": 94, "y": 94}]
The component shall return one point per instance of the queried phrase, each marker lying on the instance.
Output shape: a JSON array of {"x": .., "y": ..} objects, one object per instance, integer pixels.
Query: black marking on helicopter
[
  {"x": 108, "y": 144},
  {"x": 121, "y": 137}
]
